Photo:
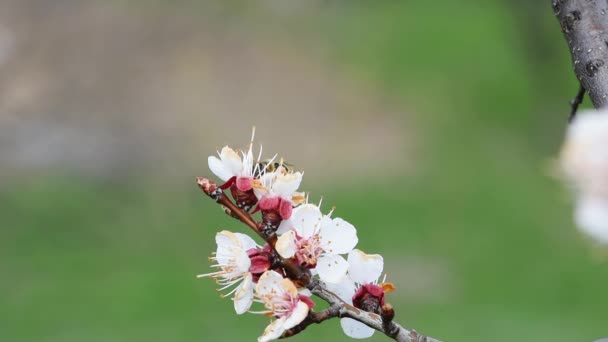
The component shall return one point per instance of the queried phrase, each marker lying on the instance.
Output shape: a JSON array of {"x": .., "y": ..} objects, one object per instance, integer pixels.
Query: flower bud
[{"x": 370, "y": 298}]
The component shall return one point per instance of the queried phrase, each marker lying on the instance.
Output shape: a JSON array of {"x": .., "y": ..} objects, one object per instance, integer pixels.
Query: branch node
[
  {"x": 210, "y": 188},
  {"x": 388, "y": 313},
  {"x": 575, "y": 102}
]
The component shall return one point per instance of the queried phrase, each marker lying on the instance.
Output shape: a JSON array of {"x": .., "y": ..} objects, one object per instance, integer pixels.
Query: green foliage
[{"x": 85, "y": 261}]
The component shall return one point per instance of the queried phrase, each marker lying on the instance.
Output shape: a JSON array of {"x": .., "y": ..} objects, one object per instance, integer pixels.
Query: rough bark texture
[{"x": 585, "y": 27}]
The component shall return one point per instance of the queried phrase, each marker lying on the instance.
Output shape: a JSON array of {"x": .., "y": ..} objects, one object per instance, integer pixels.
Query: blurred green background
[{"x": 432, "y": 126}]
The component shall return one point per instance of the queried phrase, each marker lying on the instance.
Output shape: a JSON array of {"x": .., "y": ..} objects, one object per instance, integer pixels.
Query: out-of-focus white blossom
[
  {"x": 282, "y": 301},
  {"x": 233, "y": 263},
  {"x": 316, "y": 241},
  {"x": 592, "y": 217},
  {"x": 584, "y": 161}
]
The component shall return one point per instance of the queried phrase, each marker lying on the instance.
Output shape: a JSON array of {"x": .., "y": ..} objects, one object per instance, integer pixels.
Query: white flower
[
  {"x": 365, "y": 269},
  {"x": 584, "y": 156},
  {"x": 584, "y": 161},
  {"x": 276, "y": 191},
  {"x": 316, "y": 241},
  {"x": 282, "y": 300},
  {"x": 233, "y": 263},
  {"x": 229, "y": 167}
]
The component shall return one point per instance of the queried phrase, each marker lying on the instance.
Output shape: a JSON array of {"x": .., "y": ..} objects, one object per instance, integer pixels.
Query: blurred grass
[{"x": 86, "y": 260}]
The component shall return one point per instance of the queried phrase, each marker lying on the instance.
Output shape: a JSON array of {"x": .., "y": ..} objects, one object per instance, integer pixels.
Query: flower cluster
[
  {"x": 584, "y": 161},
  {"x": 295, "y": 232}
]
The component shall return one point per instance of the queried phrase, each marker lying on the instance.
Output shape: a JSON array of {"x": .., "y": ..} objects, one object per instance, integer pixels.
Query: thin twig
[{"x": 576, "y": 101}]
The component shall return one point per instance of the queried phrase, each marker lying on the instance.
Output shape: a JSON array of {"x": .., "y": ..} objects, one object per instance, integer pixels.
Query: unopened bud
[
  {"x": 209, "y": 187},
  {"x": 388, "y": 313}
]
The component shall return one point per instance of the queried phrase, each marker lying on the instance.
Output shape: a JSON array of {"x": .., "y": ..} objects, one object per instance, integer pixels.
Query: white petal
[
  {"x": 269, "y": 284},
  {"x": 289, "y": 287},
  {"x": 286, "y": 225},
  {"x": 306, "y": 220},
  {"x": 297, "y": 315},
  {"x": 273, "y": 331},
  {"x": 338, "y": 236},
  {"x": 286, "y": 244},
  {"x": 226, "y": 238},
  {"x": 365, "y": 268},
  {"x": 286, "y": 184},
  {"x": 231, "y": 160},
  {"x": 246, "y": 241},
  {"x": 228, "y": 247},
  {"x": 217, "y": 167},
  {"x": 263, "y": 184},
  {"x": 268, "y": 178},
  {"x": 592, "y": 217},
  {"x": 345, "y": 289},
  {"x": 230, "y": 252},
  {"x": 304, "y": 292},
  {"x": 244, "y": 296},
  {"x": 355, "y": 329},
  {"x": 242, "y": 263},
  {"x": 332, "y": 268},
  {"x": 259, "y": 193}
]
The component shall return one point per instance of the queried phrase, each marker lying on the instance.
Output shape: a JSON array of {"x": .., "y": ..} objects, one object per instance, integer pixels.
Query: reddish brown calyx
[
  {"x": 370, "y": 297},
  {"x": 228, "y": 183},
  {"x": 261, "y": 261},
  {"x": 282, "y": 206},
  {"x": 244, "y": 199},
  {"x": 307, "y": 301},
  {"x": 271, "y": 219}
]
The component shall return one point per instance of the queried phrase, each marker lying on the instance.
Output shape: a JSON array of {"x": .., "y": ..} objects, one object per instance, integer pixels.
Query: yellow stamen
[{"x": 387, "y": 287}]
